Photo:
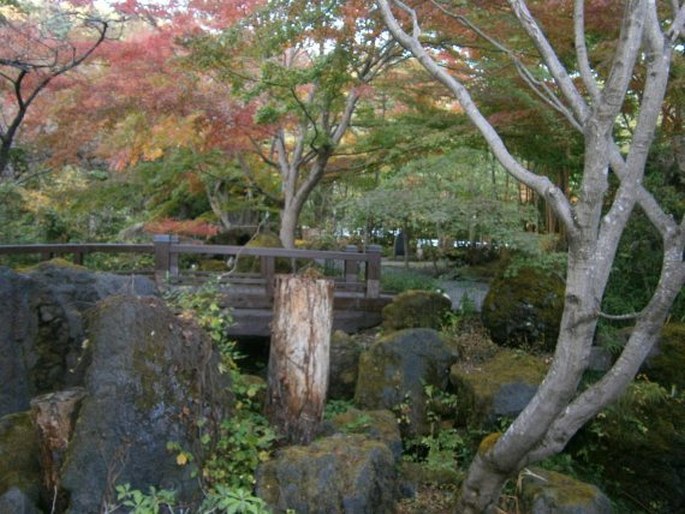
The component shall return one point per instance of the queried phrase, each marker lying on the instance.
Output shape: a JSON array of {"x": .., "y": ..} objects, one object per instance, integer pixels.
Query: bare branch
[
  {"x": 542, "y": 185},
  {"x": 581, "y": 51},
  {"x": 554, "y": 65},
  {"x": 540, "y": 88}
]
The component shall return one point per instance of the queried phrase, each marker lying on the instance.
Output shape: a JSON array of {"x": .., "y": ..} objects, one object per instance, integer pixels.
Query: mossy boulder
[
  {"x": 524, "y": 310},
  {"x": 20, "y": 473},
  {"x": 416, "y": 309},
  {"x": 343, "y": 473},
  {"x": 498, "y": 387},
  {"x": 549, "y": 492},
  {"x": 151, "y": 377},
  {"x": 394, "y": 372},
  {"x": 378, "y": 425},
  {"x": 667, "y": 365}
]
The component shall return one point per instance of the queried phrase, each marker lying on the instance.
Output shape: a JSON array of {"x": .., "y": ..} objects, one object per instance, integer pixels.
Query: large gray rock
[
  {"x": 394, "y": 372},
  {"x": 150, "y": 378},
  {"x": 500, "y": 387},
  {"x": 42, "y": 320},
  {"x": 349, "y": 474},
  {"x": 549, "y": 492}
]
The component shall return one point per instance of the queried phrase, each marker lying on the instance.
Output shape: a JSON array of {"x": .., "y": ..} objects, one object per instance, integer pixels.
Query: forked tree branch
[{"x": 541, "y": 184}]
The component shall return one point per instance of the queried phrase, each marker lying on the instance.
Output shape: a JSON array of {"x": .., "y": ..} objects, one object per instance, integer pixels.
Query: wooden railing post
[
  {"x": 166, "y": 262},
  {"x": 78, "y": 257},
  {"x": 373, "y": 271},
  {"x": 351, "y": 267},
  {"x": 268, "y": 271}
]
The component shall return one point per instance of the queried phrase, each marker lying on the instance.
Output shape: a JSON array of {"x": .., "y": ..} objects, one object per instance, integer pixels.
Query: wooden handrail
[{"x": 167, "y": 249}]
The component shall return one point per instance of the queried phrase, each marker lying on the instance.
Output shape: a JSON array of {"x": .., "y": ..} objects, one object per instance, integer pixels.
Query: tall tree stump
[
  {"x": 299, "y": 356},
  {"x": 54, "y": 415}
]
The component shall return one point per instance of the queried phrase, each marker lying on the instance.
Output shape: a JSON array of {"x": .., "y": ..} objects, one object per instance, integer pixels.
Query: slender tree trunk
[
  {"x": 299, "y": 356},
  {"x": 290, "y": 214}
]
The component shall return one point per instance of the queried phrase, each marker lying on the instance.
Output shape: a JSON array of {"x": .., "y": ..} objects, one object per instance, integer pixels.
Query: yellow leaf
[{"x": 181, "y": 459}]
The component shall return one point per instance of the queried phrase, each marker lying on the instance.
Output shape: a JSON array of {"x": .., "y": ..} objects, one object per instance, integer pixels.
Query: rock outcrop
[
  {"x": 524, "y": 311},
  {"x": 42, "y": 315},
  {"x": 150, "y": 379}
]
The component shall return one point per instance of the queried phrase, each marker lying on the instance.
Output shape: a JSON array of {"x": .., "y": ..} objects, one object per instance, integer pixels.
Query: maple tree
[
  {"x": 590, "y": 84},
  {"x": 305, "y": 67},
  {"x": 146, "y": 111},
  {"x": 40, "y": 44}
]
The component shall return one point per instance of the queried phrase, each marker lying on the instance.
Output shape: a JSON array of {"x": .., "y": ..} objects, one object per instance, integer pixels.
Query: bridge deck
[{"x": 253, "y": 310}]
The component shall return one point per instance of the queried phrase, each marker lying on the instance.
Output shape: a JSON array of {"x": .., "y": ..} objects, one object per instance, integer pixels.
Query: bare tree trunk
[
  {"x": 299, "y": 356},
  {"x": 290, "y": 215},
  {"x": 593, "y": 222},
  {"x": 54, "y": 415}
]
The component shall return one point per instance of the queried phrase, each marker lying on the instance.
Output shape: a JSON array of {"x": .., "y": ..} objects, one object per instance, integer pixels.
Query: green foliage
[
  {"x": 636, "y": 268},
  {"x": 634, "y": 449},
  {"x": 233, "y": 501},
  {"x": 444, "y": 449},
  {"x": 460, "y": 194},
  {"x": 399, "y": 280},
  {"x": 137, "y": 502},
  {"x": 246, "y": 438},
  {"x": 335, "y": 407},
  {"x": 221, "y": 500},
  {"x": 204, "y": 304}
]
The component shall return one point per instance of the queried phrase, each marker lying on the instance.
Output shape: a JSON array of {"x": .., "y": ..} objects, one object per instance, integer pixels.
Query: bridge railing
[{"x": 168, "y": 252}]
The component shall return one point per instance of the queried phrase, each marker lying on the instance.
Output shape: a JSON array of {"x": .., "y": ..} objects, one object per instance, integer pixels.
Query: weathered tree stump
[
  {"x": 299, "y": 356},
  {"x": 54, "y": 415}
]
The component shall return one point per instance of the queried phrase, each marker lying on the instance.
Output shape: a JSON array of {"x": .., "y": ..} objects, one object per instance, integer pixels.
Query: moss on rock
[
  {"x": 500, "y": 386},
  {"x": 416, "y": 309},
  {"x": 548, "y": 491},
  {"x": 341, "y": 473},
  {"x": 524, "y": 310},
  {"x": 19, "y": 455}
]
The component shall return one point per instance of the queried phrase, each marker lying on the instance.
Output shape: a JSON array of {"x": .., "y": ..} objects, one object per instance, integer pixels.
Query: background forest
[
  {"x": 221, "y": 120},
  {"x": 212, "y": 120}
]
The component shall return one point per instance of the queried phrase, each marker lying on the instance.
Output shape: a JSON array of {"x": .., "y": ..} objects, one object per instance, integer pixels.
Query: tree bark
[{"x": 299, "y": 356}]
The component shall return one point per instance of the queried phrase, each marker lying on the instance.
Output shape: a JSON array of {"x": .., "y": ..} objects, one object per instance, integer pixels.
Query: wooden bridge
[{"x": 246, "y": 275}]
